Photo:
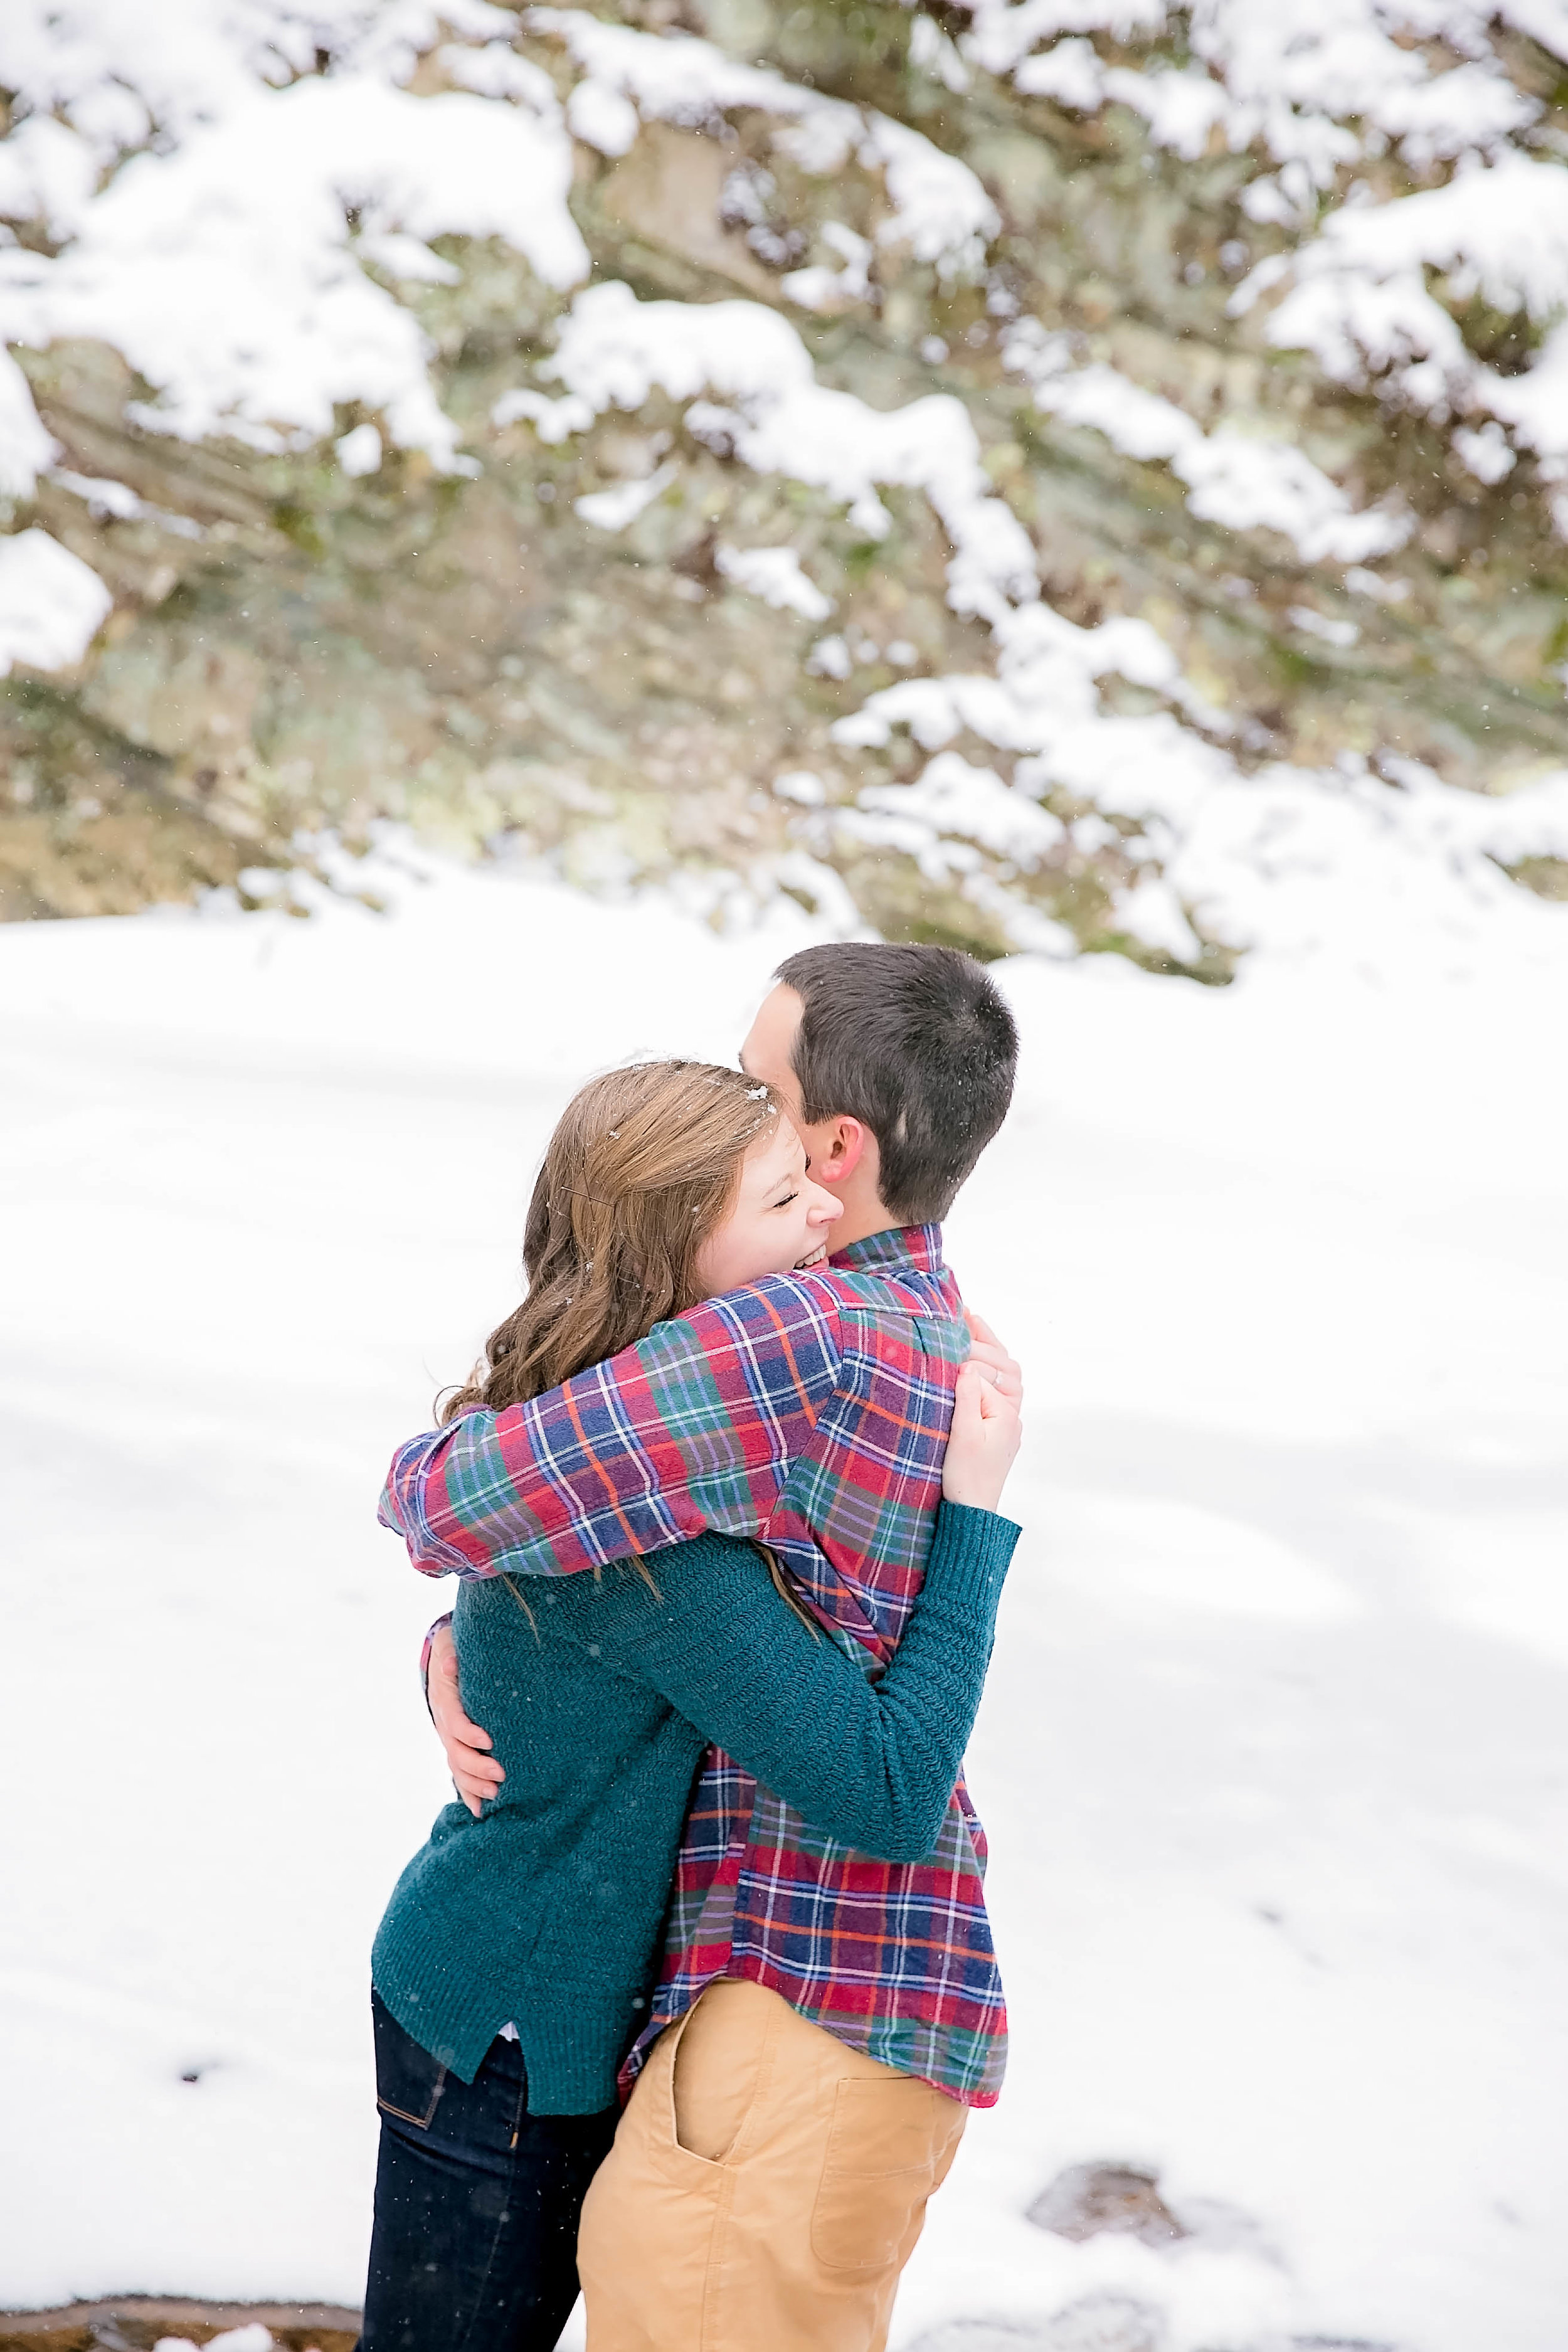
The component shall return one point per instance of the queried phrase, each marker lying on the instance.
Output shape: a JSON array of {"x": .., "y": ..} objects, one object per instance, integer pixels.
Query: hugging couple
[{"x": 690, "y": 1995}]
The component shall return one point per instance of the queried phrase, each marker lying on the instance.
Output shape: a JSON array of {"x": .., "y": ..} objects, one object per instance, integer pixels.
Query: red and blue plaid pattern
[{"x": 811, "y": 1410}]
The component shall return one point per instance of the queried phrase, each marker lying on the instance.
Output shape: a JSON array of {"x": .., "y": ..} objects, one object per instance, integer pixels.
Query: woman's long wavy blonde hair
[{"x": 639, "y": 1174}]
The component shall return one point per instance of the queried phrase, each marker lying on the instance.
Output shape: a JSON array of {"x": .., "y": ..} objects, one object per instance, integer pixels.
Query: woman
[{"x": 514, "y": 1961}]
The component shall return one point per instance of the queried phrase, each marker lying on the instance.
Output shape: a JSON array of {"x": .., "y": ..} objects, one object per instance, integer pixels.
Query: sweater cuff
[{"x": 970, "y": 1556}]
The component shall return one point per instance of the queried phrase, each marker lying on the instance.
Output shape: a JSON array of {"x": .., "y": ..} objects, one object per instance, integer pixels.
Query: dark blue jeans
[{"x": 474, "y": 2247}]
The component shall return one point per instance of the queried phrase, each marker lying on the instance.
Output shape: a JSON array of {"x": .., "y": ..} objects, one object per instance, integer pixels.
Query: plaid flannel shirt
[{"x": 811, "y": 1410}]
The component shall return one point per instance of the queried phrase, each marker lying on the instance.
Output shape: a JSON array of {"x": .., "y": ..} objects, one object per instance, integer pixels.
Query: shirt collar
[{"x": 901, "y": 1249}]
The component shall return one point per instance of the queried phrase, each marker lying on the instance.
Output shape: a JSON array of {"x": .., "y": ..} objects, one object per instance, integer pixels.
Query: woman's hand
[
  {"x": 986, "y": 1430},
  {"x": 476, "y": 1774},
  {"x": 991, "y": 1354}
]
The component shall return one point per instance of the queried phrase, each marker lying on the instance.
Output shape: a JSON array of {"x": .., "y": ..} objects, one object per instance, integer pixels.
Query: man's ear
[{"x": 841, "y": 1154}]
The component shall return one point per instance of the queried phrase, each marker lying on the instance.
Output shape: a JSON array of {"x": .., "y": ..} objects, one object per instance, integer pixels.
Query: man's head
[{"x": 896, "y": 1064}]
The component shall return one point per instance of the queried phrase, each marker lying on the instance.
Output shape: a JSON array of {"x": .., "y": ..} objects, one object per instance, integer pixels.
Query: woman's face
[{"x": 779, "y": 1218}]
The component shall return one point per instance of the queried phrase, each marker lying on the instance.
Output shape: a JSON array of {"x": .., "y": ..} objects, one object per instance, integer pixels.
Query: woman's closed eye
[{"x": 786, "y": 1200}]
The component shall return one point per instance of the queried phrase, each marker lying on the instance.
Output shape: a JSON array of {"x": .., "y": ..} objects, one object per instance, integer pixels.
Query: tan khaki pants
[{"x": 766, "y": 2187}]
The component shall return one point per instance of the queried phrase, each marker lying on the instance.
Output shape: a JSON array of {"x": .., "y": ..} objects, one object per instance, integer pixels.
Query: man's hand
[
  {"x": 476, "y": 1773},
  {"x": 996, "y": 1365}
]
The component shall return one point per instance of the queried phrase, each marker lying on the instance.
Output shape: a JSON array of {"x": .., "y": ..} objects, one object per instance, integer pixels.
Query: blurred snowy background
[{"x": 510, "y": 520}]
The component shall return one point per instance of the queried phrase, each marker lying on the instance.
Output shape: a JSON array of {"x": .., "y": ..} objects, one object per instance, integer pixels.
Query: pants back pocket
[
  {"x": 408, "y": 2081},
  {"x": 888, "y": 2147}
]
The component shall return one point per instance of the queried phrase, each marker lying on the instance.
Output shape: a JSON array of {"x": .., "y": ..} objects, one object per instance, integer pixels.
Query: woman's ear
[{"x": 841, "y": 1148}]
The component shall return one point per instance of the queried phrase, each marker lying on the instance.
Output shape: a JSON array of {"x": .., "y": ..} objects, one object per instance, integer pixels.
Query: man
[{"x": 823, "y": 2021}]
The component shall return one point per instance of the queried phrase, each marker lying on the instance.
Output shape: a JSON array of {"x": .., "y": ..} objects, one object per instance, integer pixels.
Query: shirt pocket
[{"x": 889, "y": 2146}]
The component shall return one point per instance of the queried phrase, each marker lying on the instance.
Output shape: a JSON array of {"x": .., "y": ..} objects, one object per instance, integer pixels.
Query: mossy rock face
[
  {"x": 136, "y": 2322},
  {"x": 132, "y": 2334},
  {"x": 473, "y": 658}
]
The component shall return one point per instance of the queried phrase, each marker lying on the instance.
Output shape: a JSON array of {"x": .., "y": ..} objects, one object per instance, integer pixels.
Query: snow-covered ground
[{"x": 1274, "y": 1758}]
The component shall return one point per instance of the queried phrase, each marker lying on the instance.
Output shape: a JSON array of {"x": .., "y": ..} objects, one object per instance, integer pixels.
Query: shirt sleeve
[
  {"x": 872, "y": 1764},
  {"x": 442, "y": 1625},
  {"x": 694, "y": 1428}
]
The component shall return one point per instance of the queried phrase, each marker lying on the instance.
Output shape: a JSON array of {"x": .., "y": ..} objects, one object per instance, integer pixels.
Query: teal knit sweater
[{"x": 601, "y": 1695}]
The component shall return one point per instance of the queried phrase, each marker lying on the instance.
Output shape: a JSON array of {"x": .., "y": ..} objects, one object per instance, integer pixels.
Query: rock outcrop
[{"x": 1008, "y": 499}]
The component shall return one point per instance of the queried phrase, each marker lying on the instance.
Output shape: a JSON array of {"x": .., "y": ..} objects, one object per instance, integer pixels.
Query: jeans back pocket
[{"x": 408, "y": 2081}]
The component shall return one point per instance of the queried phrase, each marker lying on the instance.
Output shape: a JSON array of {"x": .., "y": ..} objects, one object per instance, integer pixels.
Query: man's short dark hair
[{"x": 917, "y": 1044}]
